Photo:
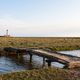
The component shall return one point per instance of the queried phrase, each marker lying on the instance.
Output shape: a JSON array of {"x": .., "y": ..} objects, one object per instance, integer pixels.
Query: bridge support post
[
  {"x": 6, "y": 53},
  {"x": 18, "y": 55},
  {"x": 43, "y": 62},
  {"x": 30, "y": 58},
  {"x": 49, "y": 63}
]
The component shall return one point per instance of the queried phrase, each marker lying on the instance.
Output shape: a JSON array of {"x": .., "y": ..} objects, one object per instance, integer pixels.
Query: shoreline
[
  {"x": 43, "y": 74},
  {"x": 52, "y": 44}
]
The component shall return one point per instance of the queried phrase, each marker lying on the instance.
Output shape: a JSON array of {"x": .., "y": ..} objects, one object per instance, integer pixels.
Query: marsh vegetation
[
  {"x": 52, "y": 44},
  {"x": 48, "y": 43}
]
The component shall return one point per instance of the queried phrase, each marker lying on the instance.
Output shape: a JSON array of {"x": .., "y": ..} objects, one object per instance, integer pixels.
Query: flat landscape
[
  {"x": 39, "y": 39},
  {"x": 48, "y": 43}
]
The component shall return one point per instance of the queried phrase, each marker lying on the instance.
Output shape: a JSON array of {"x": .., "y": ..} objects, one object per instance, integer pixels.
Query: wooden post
[
  {"x": 18, "y": 55},
  {"x": 43, "y": 62},
  {"x": 6, "y": 53},
  {"x": 30, "y": 58},
  {"x": 65, "y": 66},
  {"x": 49, "y": 62}
]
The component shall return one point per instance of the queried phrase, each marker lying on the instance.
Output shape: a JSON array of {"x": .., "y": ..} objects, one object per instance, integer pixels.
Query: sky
[{"x": 40, "y": 18}]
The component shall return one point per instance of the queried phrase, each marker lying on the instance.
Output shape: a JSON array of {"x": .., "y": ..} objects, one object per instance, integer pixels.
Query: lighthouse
[{"x": 7, "y": 34}]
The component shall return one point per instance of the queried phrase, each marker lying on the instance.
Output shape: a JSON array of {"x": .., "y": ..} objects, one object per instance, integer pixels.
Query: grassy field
[
  {"x": 47, "y": 44},
  {"x": 43, "y": 43},
  {"x": 43, "y": 74}
]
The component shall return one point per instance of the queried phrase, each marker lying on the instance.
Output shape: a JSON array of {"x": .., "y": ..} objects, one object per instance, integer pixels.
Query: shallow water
[
  {"x": 12, "y": 64},
  {"x": 73, "y": 52}
]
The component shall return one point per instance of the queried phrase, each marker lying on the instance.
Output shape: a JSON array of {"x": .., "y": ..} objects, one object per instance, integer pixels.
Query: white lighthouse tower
[{"x": 7, "y": 34}]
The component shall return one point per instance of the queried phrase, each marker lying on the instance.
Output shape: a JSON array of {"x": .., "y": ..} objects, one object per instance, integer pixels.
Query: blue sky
[{"x": 40, "y": 17}]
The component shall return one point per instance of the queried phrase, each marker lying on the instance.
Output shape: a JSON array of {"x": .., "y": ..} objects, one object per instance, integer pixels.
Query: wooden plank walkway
[{"x": 68, "y": 60}]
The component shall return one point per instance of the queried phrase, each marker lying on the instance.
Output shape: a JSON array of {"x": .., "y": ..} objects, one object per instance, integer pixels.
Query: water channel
[{"x": 12, "y": 64}]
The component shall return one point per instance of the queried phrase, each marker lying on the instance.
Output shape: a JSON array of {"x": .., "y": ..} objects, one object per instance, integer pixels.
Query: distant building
[{"x": 7, "y": 34}]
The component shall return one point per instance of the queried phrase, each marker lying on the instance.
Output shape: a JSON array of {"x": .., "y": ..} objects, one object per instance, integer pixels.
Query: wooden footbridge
[{"x": 68, "y": 60}]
